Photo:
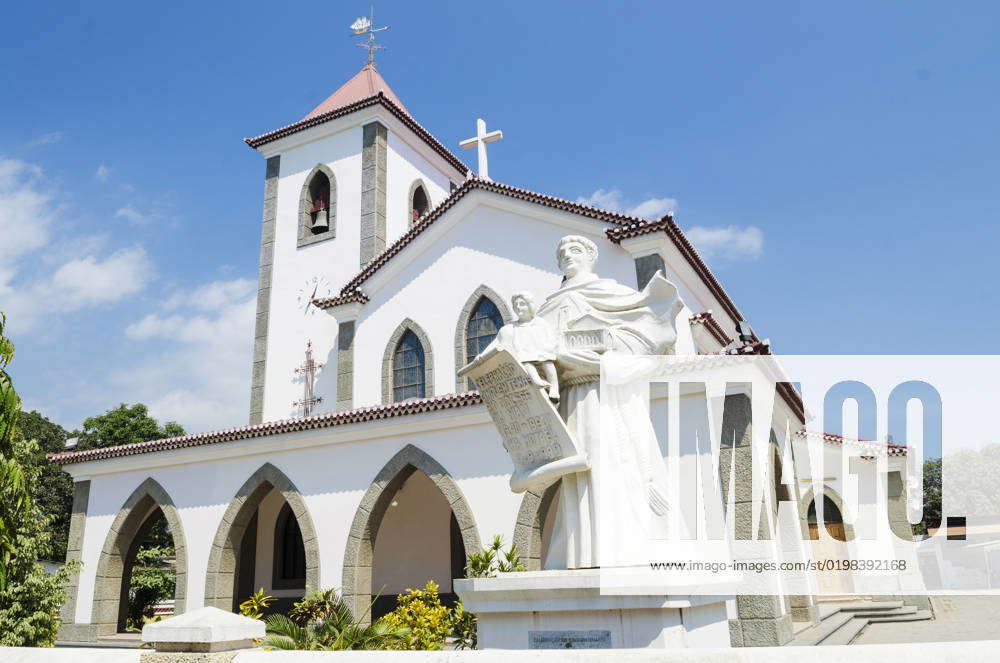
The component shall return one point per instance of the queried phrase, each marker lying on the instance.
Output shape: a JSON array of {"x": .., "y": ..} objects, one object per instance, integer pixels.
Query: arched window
[
  {"x": 483, "y": 326},
  {"x": 420, "y": 204},
  {"x": 318, "y": 206},
  {"x": 289, "y": 552},
  {"x": 408, "y": 368}
]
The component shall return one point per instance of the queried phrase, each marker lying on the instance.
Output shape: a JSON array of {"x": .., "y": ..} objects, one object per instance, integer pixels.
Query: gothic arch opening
[
  {"x": 832, "y": 546},
  {"x": 147, "y": 514},
  {"x": 420, "y": 202},
  {"x": 413, "y": 525},
  {"x": 317, "y": 206},
  {"x": 266, "y": 539},
  {"x": 475, "y": 308}
]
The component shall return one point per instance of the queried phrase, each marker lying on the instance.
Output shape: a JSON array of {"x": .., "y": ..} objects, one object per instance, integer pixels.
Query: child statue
[{"x": 533, "y": 342}]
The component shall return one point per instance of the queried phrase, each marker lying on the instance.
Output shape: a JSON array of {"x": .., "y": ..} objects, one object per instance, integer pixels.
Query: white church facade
[{"x": 395, "y": 265}]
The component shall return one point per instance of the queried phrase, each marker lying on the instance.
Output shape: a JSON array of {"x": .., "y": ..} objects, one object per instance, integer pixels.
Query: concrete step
[
  {"x": 825, "y": 610},
  {"x": 915, "y": 616},
  {"x": 823, "y": 630},
  {"x": 894, "y": 612},
  {"x": 867, "y": 606},
  {"x": 846, "y": 634}
]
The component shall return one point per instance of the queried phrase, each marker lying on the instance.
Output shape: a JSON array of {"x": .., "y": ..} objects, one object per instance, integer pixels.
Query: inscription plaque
[
  {"x": 533, "y": 433},
  {"x": 569, "y": 639}
]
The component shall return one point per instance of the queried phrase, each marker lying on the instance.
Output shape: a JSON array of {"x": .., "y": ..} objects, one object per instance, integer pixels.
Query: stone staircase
[{"x": 841, "y": 622}]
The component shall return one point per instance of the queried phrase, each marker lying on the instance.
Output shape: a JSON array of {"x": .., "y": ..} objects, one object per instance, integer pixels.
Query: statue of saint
[{"x": 592, "y": 317}]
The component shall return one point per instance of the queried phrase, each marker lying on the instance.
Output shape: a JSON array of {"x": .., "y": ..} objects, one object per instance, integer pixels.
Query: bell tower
[{"x": 340, "y": 185}]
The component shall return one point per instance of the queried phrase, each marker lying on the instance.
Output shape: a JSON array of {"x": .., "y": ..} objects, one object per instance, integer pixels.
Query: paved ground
[{"x": 955, "y": 618}]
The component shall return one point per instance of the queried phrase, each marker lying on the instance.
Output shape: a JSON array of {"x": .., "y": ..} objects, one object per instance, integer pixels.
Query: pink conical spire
[{"x": 365, "y": 83}]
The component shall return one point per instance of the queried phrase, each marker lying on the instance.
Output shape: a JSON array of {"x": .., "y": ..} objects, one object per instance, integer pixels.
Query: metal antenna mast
[{"x": 364, "y": 26}]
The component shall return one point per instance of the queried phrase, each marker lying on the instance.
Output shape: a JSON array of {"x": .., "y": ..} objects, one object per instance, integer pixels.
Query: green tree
[
  {"x": 932, "y": 497},
  {"x": 15, "y": 500},
  {"x": 53, "y": 492},
  {"x": 153, "y": 580},
  {"x": 30, "y": 598},
  {"x": 124, "y": 425}
]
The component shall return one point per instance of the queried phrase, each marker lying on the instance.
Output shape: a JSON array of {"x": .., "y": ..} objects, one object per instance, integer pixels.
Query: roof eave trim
[{"x": 376, "y": 99}]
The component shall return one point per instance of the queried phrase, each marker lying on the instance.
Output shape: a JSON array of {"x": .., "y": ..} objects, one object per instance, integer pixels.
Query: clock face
[{"x": 316, "y": 287}]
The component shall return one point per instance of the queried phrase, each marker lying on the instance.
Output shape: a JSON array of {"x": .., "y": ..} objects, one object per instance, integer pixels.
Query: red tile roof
[
  {"x": 366, "y": 83},
  {"x": 325, "y": 420},
  {"x": 833, "y": 438},
  {"x": 377, "y": 98},
  {"x": 351, "y": 297}
]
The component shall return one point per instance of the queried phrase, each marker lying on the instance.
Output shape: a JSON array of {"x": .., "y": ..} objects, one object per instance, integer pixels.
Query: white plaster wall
[
  {"x": 404, "y": 166},
  {"x": 501, "y": 249},
  {"x": 413, "y": 544},
  {"x": 336, "y": 260},
  {"x": 332, "y": 478}
]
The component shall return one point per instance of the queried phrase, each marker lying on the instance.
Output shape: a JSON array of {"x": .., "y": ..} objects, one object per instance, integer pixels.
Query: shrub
[
  {"x": 255, "y": 606},
  {"x": 465, "y": 628},
  {"x": 324, "y": 621},
  {"x": 493, "y": 560},
  {"x": 420, "y": 611}
]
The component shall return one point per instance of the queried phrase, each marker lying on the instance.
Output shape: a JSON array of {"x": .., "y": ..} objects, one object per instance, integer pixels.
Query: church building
[{"x": 368, "y": 464}]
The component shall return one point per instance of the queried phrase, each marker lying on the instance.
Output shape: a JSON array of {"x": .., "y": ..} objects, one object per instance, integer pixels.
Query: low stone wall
[{"x": 933, "y": 652}]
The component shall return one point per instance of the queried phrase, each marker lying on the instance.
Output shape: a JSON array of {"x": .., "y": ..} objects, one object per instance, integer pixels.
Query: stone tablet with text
[{"x": 533, "y": 433}]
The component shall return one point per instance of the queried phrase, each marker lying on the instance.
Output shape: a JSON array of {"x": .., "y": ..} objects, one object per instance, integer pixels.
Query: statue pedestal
[{"x": 567, "y": 610}]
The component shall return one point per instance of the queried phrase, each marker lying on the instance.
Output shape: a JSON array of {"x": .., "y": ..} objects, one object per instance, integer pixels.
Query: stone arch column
[
  {"x": 530, "y": 520},
  {"x": 356, "y": 586},
  {"x": 461, "y": 382},
  {"x": 222, "y": 559},
  {"x": 390, "y": 348},
  {"x": 108, "y": 588}
]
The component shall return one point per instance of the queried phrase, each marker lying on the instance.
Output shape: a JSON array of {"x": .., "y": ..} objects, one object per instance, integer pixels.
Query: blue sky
[{"x": 838, "y": 164}]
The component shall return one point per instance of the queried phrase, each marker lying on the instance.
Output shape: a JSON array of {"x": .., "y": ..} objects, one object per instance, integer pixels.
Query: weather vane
[{"x": 364, "y": 26}]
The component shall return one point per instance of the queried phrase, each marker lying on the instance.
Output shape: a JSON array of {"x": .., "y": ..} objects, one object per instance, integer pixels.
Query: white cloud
[
  {"x": 200, "y": 375},
  {"x": 132, "y": 215},
  {"x": 77, "y": 284},
  {"x": 26, "y": 213},
  {"x": 612, "y": 199},
  {"x": 102, "y": 173},
  {"x": 50, "y": 138},
  {"x": 87, "y": 281},
  {"x": 212, "y": 295},
  {"x": 727, "y": 242}
]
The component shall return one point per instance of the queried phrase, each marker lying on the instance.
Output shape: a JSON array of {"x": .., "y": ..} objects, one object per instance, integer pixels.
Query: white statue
[
  {"x": 532, "y": 341},
  {"x": 594, "y": 316},
  {"x": 586, "y": 319}
]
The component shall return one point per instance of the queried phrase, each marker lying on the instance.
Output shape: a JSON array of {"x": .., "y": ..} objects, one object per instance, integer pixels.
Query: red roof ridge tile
[
  {"x": 707, "y": 320},
  {"x": 324, "y": 420}
]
